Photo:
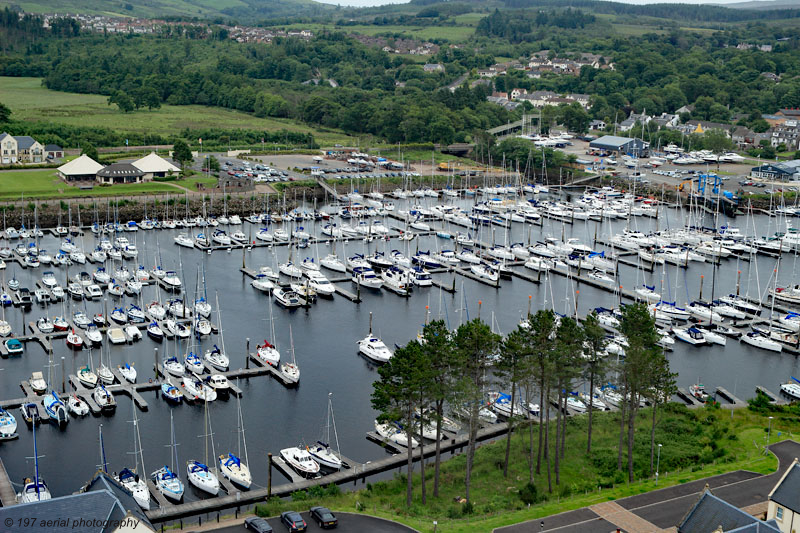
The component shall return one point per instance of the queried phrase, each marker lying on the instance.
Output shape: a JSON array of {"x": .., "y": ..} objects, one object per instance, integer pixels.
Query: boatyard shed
[
  {"x": 785, "y": 171},
  {"x": 84, "y": 168},
  {"x": 621, "y": 145}
]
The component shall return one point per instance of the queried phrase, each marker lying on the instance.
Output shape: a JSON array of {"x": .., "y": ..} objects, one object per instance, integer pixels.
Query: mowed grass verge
[
  {"x": 24, "y": 184},
  {"x": 29, "y": 100}
]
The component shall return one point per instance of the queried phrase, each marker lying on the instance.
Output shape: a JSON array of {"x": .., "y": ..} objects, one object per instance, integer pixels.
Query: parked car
[
  {"x": 259, "y": 525},
  {"x": 293, "y": 521},
  {"x": 324, "y": 517}
]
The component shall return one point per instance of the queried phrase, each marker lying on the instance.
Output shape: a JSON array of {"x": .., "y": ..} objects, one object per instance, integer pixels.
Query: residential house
[
  {"x": 498, "y": 99},
  {"x": 630, "y": 122},
  {"x": 771, "y": 76},
  {"x": 783, "y": 503},
  {"x": 53, "y": 151},
  {"x": 538, "y": 99},
  {"x": 787, "y": 134},
  {"x": 8, "y": 149},
  {"x": 789, "y": 112},
  {"x": 666, "y": 120},
  {"x": 29, "y": 150},
  {"x": 742, "y": 136},
  {"x": 684, "y": 109},
  {"x": 711, "y": 514},
  {"x": 487, "y": 73},
  {"x": 597, "y": 125},
  {"x": 516, "y": 93},
  {"x": 433, "y": 67},
  {"x": 583, "y": 99}
]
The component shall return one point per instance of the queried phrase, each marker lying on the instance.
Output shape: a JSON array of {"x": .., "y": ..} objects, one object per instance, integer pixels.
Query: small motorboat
[
  {"x": 38, "y": 383},
  {"x": 287, "y": 298},
  {"x": 300, "y": 460},
  {"x": 133, "y": 333},
  {"x": 13, "y": 346},
  {"x": 374, "y": 349},
  {"x": 690, "y": 335},
  {"x": 392, "y": 433},
  {"x": 76, "y": 406},
  {"x": 219, "y": 384}
]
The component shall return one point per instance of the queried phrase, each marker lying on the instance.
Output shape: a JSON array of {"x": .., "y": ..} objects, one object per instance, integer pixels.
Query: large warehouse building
[{"x": 621, "y": 145}]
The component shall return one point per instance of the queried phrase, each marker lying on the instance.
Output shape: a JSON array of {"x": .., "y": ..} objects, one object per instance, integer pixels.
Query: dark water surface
[{"x": 325, "y": 343}]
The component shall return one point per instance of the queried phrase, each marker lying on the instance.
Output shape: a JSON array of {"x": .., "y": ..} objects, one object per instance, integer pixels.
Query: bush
[
  {"x": 529, "y": 494},
  {"x": 467, "y": 508},
  {"x": 454, "y": 513}
]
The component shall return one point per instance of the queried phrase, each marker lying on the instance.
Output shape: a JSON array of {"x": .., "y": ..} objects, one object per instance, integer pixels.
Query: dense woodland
[{"x": 392, "y": 98}]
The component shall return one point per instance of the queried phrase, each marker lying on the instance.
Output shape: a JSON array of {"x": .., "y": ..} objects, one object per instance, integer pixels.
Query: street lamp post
[
  {"x": 658, "y": 463},
  {"x": 769, "y": 431}
]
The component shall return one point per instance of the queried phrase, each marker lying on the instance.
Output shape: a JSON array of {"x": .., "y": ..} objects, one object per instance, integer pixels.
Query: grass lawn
[
  {"x": 711, "y": 443},
  {"x": 28, "y": 100},
  {"x": 16, "y": 184}
]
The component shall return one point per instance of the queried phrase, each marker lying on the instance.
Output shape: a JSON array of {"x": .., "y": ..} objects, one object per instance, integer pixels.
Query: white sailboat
[
  {"x": 129, "y": 478},
  {"x": 199, "y": 474},
  {"x": 321, "y": 451},
  {"x": 166, "y": 480},
  {"x": 34, "y": 489},
  {"x": 231, "y": 465},
  {"x": 290, "y": 369}
]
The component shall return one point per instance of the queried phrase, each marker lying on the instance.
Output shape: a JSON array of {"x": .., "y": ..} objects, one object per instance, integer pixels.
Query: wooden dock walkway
[
  {"x": 157, "y": 496},
  {"x": 359, "y": 471},
  {"x": 262, "y": 368},
  {"x": 734, "y": 402},
  {"x": 774, "y": 398},
  {"x": 8, "y": 495}
]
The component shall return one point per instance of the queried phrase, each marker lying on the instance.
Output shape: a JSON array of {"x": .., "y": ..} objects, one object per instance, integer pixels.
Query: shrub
[
  {"x": 454, "y": 513},
  {"x": 529, "y": 494},
  {"x": 467, "y": 508}
]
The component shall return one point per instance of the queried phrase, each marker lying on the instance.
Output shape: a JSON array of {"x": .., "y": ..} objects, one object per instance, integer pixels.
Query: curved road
[{"x": 665, "y": 508}]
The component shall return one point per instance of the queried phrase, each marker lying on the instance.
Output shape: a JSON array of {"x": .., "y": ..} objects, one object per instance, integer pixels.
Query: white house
[
  {"x": 8, "y": 149},
  {"x": 783, "y": 503}
]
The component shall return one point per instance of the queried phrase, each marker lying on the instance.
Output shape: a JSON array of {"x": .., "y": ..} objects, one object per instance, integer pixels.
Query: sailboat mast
[{"x": 103, "y": 463}]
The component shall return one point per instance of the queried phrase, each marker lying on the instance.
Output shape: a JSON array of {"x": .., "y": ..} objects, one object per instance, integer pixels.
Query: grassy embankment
[
  {"x": 29, "y": 100},
  {"x": 711, "y": 443}
]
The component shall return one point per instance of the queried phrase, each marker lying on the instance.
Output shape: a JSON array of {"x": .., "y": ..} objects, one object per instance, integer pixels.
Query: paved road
[
  {"x": 666, "y": 507},
  {"x": 348, "y": 523}
]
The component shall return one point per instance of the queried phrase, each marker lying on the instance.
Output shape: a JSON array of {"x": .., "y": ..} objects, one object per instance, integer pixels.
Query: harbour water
[{"x": 325, "y": 336}]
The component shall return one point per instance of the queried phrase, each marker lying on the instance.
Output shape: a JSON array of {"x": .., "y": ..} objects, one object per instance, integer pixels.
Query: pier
[
  {"x": 7, "y": 495},
  {"x": 734, "y": 402},
  {"x": 358, "y": 471},
  {"x": 773, "y": 398}
]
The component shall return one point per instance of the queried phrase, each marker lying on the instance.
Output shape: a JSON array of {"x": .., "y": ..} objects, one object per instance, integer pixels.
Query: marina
[{"x": 322, "y": 332}]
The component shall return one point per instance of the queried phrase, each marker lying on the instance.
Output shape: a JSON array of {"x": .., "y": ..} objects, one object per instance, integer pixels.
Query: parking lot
[{"x": 348, "y": 523}]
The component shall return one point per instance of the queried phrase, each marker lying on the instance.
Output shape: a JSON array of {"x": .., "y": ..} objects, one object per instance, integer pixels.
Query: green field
[
  {"x": 28, "y": 100},
  {"x": 19, "y": 184}
]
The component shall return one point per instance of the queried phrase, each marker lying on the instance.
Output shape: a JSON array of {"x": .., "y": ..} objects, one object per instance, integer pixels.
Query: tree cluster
[{"x": 543, "y": 361}]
